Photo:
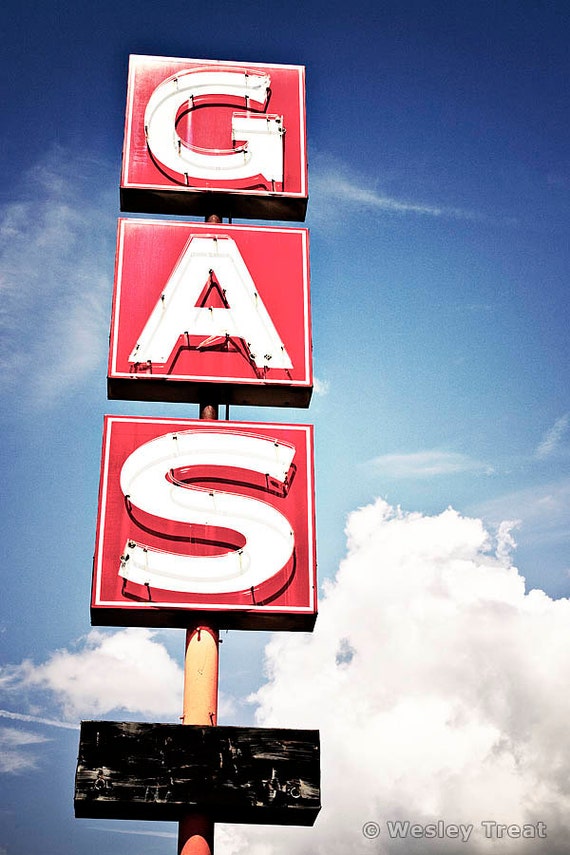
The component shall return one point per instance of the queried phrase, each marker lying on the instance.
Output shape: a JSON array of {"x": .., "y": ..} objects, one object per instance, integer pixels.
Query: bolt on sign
[
  {"x": 204, "y": 136},
  {"x": 135, "y": 770},
  {"x": 198, "y": 304},
  {"x": 213, "y": 517}
]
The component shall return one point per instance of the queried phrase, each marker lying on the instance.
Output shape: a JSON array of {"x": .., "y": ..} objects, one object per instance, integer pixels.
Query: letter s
[{"x": 148, "y": 482}]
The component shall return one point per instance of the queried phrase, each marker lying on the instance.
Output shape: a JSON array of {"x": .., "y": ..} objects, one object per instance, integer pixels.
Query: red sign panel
[
  {"x": 208, "y": 517},
  {"x": 201, "y": 303},
  {"x": 206, "y": 137}
]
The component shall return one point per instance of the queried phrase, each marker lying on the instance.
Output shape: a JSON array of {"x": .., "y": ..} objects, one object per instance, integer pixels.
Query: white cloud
[
  {"x": 543, "y": 511},
  {"x": 35, "y": 719},
  {"x": 426, "y": 464},
  {"x": 14, "y": 754},
  {"x": 147, "y": 832},
  {"x": 332, "y": 180},
  {"x": 56, "y": 267},
  {"x": 553, "y": 437},
  {"x": 439, "y": 687},
  {"x": 321, "y": 387},
  {"x": 128, "y": 670}
]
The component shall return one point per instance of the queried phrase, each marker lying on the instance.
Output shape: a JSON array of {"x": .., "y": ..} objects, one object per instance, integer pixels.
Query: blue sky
[{"x": 438, "y": 213}]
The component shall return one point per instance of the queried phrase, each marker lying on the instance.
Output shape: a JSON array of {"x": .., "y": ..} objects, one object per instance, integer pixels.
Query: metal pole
[
  {"x": 200, "y": 703},
  {"x": 195, "y": 831}
]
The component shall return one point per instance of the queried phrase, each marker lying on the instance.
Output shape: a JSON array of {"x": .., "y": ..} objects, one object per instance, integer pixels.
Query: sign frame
[
  {"x": 146, "y": 187},
  {"x": 276, "y": 262},
  {"x": 284, "y": 600}
]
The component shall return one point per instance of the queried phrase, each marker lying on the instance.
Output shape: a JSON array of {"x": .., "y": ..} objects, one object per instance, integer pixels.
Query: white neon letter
[
  {"x": 269, "y": 539},
  {"x": 176, "y": 312},
  {"x": 260, "y": 154}
]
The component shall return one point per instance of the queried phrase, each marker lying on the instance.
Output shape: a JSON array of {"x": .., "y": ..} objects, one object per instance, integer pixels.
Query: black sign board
[{"x": 131, "y": 770}]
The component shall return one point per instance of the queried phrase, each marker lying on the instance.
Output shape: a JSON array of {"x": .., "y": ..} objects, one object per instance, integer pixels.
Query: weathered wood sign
[{"x": 131, "y": 770}]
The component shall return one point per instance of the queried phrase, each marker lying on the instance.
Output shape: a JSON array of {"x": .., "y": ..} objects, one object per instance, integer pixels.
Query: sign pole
[
  {"x": 200, "y": 700},
  {"x": 195, "y": 831},
  {"x": 184, "y": 773}
]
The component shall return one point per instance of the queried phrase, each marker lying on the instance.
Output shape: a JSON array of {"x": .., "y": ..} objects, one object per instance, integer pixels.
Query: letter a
[{"x": 177, "y": 313}]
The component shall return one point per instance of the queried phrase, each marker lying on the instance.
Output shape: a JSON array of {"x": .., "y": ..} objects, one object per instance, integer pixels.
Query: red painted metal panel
[
  {"x": 220, "y": 514},
  {"x": 182, "y": 154},
  {"x": 218, "y": 270}
]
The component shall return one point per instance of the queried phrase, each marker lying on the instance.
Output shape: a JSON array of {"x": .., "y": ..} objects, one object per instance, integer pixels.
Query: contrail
[{"x": 37, "y": 720}]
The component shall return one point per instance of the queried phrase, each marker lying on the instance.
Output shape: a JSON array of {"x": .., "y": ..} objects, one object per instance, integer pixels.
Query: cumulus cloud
[
  {"x": 56, "y": 251},
  {"x": 426, "y": 464},
  {"x": 439, "y": 686},
  {"x": 129, "y": 671},
  {"x": 553, "y": 437}
]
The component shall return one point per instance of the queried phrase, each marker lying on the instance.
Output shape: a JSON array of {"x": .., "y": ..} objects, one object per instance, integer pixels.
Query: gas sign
[
  {"x": 214, "y": 517},
  {"x": 197, "y": 304},
  {"x": 206, "y": 136}
]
